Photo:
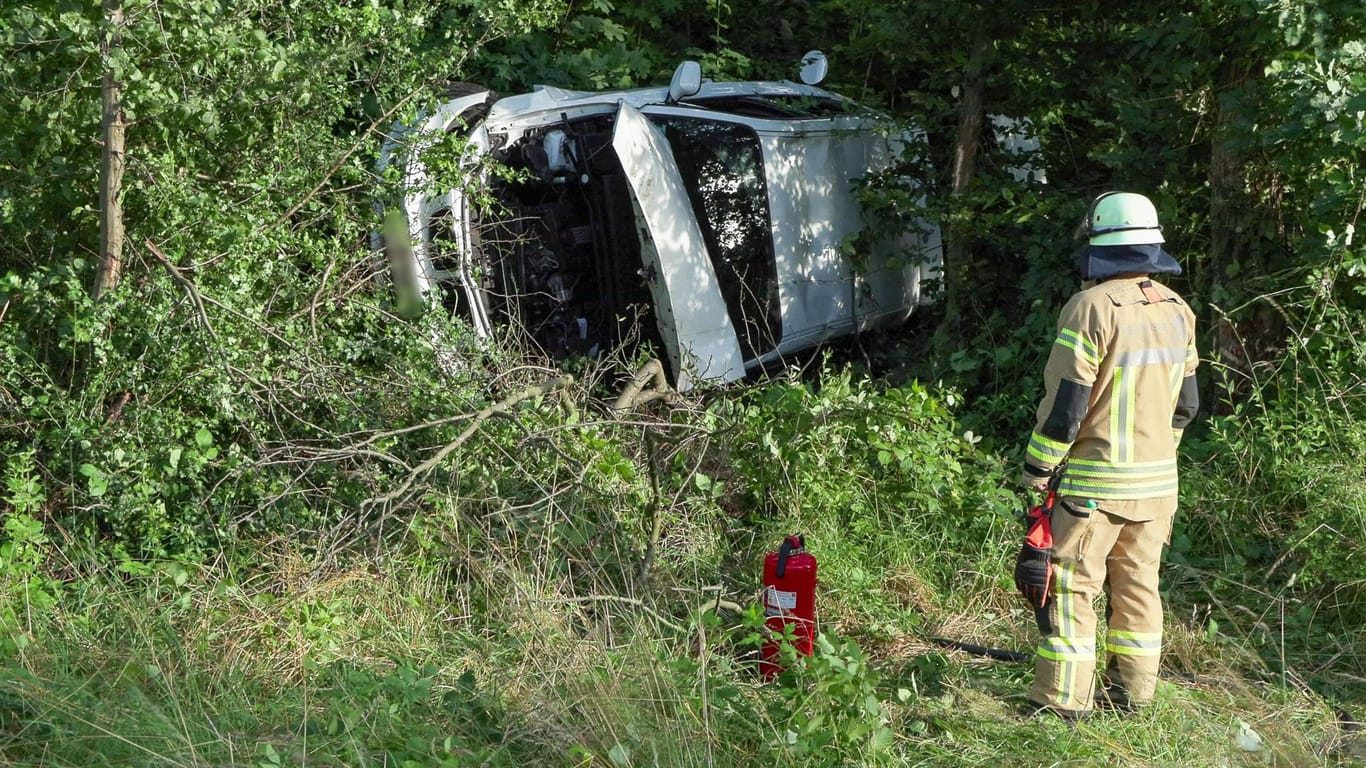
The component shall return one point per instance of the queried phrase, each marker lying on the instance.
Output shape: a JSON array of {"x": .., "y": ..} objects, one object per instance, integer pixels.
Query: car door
[{"x": 697, "y": 331}]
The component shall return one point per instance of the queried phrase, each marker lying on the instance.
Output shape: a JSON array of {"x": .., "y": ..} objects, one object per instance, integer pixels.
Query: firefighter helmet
[{"x": 1122, "y": 218}]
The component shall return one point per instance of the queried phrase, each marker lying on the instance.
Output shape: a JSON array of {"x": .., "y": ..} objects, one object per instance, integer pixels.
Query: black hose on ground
[{"x": 999, "y": 654}]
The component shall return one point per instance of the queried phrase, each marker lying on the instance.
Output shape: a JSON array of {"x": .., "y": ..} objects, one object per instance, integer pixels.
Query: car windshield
[{"x": 723, "y": 170}]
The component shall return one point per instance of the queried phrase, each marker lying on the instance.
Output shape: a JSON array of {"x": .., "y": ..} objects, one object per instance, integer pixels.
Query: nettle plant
[
  {"x": 827, "y": 709},
  {"x": 25, "y": 591}
]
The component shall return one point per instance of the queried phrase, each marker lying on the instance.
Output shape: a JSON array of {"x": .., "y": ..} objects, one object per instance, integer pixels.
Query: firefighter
[{"x": 1119, "y": 389}]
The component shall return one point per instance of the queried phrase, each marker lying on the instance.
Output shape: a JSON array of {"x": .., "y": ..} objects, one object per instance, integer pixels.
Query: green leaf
[
  {"x": 98, "y": 483},
  {"x": 881, "y": 738},
  {"x": 872, "y": 705}
]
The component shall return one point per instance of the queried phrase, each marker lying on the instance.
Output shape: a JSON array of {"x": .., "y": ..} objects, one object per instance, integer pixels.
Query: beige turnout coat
[{"x": 1119, "y": 388}]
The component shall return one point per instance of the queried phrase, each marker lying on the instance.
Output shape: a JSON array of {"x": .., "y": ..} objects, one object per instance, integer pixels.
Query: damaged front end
[{"x": 705, "y": 220}]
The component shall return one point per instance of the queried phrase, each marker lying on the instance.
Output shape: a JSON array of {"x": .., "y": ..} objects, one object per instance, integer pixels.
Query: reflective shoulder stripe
[{"x": 1083, "y": 346}]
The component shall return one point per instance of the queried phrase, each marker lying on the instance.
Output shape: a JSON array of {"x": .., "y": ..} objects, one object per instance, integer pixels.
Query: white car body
[{"x": 718, "y": 219}]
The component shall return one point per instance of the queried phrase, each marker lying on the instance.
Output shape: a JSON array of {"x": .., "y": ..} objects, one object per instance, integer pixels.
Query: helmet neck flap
[{"x": 1102, "y": 262}]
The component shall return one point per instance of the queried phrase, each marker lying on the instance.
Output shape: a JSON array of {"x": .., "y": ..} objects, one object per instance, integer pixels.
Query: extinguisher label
[{"x": 777, "y": 598}]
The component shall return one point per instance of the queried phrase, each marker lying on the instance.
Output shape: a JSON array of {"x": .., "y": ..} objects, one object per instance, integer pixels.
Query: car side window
[{"x": 723, "y": 170}]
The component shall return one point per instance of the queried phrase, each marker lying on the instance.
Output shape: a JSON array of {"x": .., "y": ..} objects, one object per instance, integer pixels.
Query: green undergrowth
[
  {"x": 574, "y": 589},
  {"x": 359, "y": 664},
  {"x": 253, "y": 514}
]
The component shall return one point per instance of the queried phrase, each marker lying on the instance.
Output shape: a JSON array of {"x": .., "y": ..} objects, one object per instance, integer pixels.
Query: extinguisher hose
[
  {"x": 790, "y": 546},
  {"x": 999, "y": 654}
]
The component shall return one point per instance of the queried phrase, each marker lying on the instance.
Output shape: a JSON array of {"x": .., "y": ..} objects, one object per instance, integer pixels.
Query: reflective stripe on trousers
[{"x": 1095, "y": 551}]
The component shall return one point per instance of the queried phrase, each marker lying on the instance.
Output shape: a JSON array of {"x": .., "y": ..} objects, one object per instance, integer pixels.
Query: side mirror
[
  {"x": 687, "y": 80},
  {"x": 814, "y": 67}
]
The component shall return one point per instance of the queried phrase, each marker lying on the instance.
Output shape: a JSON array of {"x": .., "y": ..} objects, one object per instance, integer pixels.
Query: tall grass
[
  {"x": 547, "y": 620},
  {"x": 367, "y": 665}
]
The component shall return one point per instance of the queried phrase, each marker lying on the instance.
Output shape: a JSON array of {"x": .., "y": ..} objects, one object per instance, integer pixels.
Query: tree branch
[
  {"x": 184, "y": 282},
  {"x": 479, "y": 418}
]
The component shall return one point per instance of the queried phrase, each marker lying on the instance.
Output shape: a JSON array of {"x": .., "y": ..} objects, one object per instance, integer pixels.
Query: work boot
[
  {"x": 1116, "y": 699},
  {"x": 1069, "y": 716}
]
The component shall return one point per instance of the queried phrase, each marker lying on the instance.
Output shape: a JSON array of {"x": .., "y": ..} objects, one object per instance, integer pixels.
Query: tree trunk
[
  {"x": 958, "y": 251},
  {"x": 111, "y": 167},
  {"x": 1225, "y": 176},
  {"x": 1234, "y": 237}
]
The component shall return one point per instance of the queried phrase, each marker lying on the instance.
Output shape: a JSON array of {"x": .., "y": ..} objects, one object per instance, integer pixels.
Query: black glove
[{"x": 1033, "y": 574}]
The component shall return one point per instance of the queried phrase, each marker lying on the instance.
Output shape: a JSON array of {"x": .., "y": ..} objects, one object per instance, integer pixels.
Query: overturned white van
[{"x": 710, "y": 218}]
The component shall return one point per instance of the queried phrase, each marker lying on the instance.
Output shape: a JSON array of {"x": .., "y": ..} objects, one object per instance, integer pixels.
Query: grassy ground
[
  {"x": 580, "y": 591},
  {"x": 382, "y": 662}
]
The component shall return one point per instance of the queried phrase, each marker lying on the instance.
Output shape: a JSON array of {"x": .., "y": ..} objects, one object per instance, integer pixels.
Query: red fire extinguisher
[{"x": 789, "y": 599}]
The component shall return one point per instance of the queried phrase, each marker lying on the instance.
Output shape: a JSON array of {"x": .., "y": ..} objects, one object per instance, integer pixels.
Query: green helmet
[{"x": 1122, "y": 218}]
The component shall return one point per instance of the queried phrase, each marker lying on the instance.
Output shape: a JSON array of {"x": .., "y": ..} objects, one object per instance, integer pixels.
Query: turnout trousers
[{"x": 1096, "y": 550}]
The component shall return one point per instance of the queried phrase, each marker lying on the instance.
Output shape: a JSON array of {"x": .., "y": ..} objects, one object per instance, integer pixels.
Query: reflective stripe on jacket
[{"x": 1119, "y": 388}]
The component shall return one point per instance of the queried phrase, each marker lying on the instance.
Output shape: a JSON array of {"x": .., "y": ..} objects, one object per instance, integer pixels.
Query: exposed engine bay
[{"x": 562, "y": 257}]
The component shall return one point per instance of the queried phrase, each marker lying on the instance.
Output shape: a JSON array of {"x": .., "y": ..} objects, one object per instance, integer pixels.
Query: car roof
[{"x": 546, "y": 98}]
